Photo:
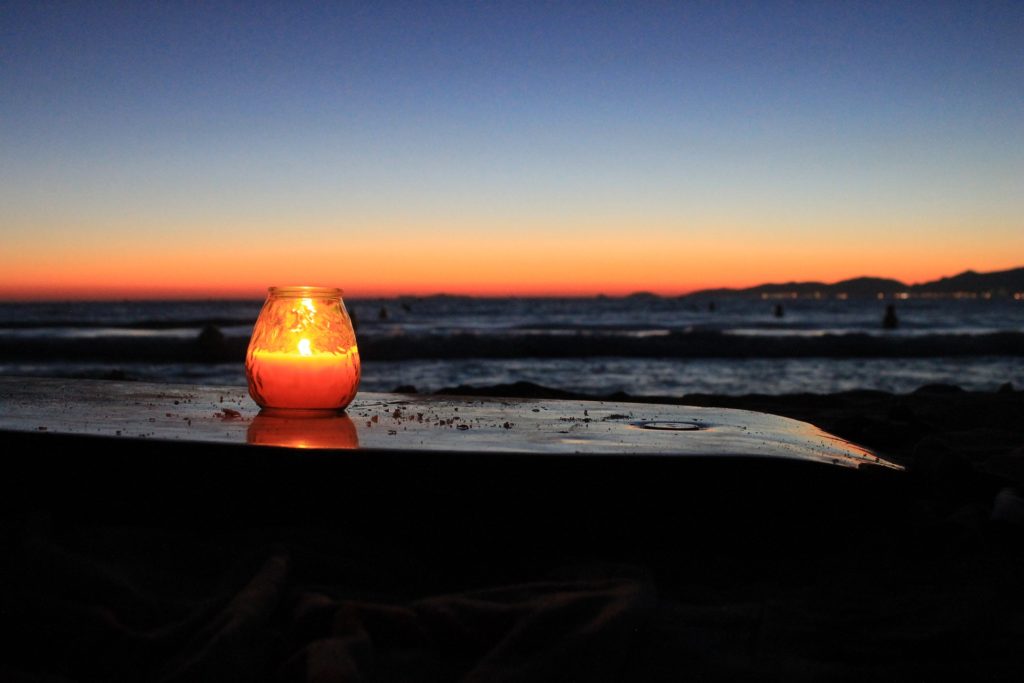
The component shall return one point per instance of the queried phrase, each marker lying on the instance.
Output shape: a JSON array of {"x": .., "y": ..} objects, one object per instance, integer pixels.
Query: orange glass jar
[{"x": 303, "y": 353}]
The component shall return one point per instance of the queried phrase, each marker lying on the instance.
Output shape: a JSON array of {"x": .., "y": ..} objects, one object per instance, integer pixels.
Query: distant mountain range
[{"x": 968, "y": 284}]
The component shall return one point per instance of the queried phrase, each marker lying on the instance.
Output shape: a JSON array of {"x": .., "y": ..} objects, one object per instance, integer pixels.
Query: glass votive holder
[{"x": 303, "y": 354}]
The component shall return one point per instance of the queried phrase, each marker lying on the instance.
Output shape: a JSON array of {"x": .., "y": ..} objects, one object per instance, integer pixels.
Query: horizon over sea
[{"x": 439, "y": 342}]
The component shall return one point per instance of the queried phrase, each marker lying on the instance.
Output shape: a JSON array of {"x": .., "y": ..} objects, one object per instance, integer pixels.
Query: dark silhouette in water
[
  {"x": 382, "y": 314},
  {"x": 711, "y": 307},
  {"x": 212, "y": 344},
  {"x": 889, "y": 320},
  {"x": 778, "y": 311}
]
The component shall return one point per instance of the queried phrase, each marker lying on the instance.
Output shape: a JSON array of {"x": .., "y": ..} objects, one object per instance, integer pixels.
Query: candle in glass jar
[{"x": 303, "y": 353}]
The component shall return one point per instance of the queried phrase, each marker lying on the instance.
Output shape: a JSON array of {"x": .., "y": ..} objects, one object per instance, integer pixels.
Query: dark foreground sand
[{"x": 909, "y": 581}]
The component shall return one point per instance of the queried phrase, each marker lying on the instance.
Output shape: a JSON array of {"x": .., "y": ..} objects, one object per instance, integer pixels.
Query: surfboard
[{"x": 416, "y": 424}]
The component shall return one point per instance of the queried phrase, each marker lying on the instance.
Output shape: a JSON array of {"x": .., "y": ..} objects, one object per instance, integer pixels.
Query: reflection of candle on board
[
  {"x": 303, "y": 353},
  {"x": 321, "y": 430}
]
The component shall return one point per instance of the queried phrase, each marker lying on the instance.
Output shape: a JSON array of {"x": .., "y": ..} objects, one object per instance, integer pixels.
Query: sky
[{"x": 541, "y": 148}]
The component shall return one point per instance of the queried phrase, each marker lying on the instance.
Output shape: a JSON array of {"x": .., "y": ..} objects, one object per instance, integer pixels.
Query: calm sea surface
[{"x": 412, "y": 320}]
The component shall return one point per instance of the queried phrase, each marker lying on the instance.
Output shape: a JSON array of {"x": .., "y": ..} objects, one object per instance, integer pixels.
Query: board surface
[{"x": 415, "y": 424}]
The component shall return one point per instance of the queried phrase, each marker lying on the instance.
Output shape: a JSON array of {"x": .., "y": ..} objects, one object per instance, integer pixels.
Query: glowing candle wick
[{"x": 304, "y": 349}]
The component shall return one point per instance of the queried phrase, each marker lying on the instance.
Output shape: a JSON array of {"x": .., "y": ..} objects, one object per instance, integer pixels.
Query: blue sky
[{"x": 773, "y": 121}]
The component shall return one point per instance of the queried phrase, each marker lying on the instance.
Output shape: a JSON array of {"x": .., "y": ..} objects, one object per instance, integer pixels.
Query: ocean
[{"x": 639, "y": 345}]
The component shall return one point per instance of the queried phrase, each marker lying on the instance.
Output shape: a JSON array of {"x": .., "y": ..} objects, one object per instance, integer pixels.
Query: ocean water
[{"x": 439, "y": 342}]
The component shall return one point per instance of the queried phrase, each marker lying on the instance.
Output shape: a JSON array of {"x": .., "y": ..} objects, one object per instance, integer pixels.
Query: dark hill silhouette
[
  {"x": 1001, "y": 283},
  {"x": 868, "y": 286}
]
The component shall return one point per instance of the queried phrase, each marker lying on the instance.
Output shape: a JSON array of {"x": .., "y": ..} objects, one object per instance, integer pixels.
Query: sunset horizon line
[{"x": 32, "y": 294}]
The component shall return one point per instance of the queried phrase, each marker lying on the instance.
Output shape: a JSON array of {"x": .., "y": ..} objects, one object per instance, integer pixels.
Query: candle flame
[{"x": 304, "y": 349}]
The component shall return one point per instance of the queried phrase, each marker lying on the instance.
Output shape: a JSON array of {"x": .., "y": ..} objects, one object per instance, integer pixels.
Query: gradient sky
[{"x": 511, "y": 148}]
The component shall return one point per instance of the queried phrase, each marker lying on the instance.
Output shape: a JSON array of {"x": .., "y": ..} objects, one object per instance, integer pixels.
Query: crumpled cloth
[
  {"x": 154, "y": 604},
  {"x": 147, "y": 616}
]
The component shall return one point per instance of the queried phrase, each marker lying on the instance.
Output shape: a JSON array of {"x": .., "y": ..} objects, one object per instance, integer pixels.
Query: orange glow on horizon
[
  {"x": 538, "y": 262},
  {"x": 252, "y": 291}
]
